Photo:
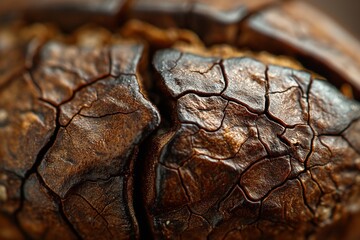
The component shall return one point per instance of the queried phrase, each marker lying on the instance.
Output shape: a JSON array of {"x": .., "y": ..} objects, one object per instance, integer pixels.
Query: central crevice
[{"x": 139, "y": 194}]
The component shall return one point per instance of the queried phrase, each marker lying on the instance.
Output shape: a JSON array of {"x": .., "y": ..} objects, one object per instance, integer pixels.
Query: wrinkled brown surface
[
  {"x": 250, "y": 147},
  {"x": 256, "y": 152},
  {"x": 298, "y": 29},
  {"x": 70, "y": 128},
  {"x": 26, "y": 126}
]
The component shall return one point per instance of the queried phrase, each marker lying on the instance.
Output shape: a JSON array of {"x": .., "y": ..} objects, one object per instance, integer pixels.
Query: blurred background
[{"x": 346, "y": 12}]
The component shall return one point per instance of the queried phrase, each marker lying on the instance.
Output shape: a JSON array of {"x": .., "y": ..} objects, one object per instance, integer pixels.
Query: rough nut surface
[
  {"x": 157, "y": 119},
  {"x": 272, "y": 155},
  {"x": 81, "y": 115}
]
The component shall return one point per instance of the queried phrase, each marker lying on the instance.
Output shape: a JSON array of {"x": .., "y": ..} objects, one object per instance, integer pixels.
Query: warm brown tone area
[
  {"x": 70, "y": 128},
  {"x": 122, "y": 120},
  {"x": 314, "y": 37},
  {"x": 69, "y": 13},
  {"x": 280, "y": 28},
  {"x": 258, "y": 146},
  {"x": 214, "y": 21}
]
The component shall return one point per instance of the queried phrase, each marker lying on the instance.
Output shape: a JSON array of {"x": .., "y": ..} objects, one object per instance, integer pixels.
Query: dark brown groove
[
  {"x": 33, "y": 170},
  {"x": 138, "y": 194}
]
